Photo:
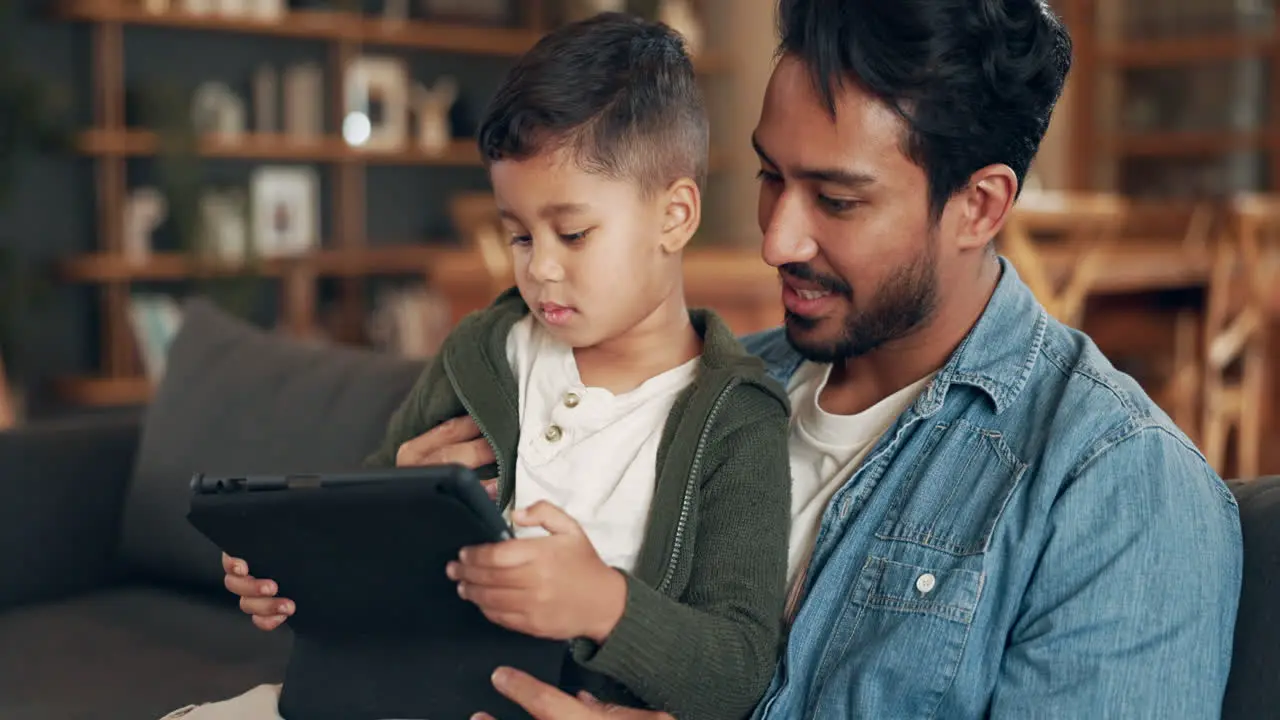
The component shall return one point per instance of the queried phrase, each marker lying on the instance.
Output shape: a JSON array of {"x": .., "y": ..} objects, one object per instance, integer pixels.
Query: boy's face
[{"x": 594, "y": 258}]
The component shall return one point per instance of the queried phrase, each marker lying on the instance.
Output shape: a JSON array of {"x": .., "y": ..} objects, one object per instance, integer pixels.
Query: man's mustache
[{"x": 805, "y": 273}]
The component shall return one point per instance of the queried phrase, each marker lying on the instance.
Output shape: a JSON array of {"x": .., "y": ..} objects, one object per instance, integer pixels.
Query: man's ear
[
  {"x": 984, "y": 205},
  {"x": 681, "y": 214}
]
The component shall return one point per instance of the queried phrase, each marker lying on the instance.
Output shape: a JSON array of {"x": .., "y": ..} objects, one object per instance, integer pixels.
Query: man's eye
[
  {"x": 836, "y": 205},
  {"x": 768, "y": 176}
]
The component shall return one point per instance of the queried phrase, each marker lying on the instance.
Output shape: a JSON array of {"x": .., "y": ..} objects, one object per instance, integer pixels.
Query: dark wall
[{"x": 51, "y": 212}]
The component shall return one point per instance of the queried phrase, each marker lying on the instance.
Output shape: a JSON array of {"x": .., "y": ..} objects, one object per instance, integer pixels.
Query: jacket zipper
[
  {"x": 687, "y": 500},
  {"x": 497, "y": 455}
]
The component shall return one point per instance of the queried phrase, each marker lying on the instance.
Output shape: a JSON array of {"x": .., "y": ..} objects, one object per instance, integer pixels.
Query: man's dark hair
[
  {"x": 618, "y": 91},
  {"x": 974, "y": 80}
]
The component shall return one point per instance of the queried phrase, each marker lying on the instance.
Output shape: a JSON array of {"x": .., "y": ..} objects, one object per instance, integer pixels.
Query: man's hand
[
  {"x": 545, "y": 702},
  {"x": 257, "y": 595},
  {"x": 554, "y": 587},
  {"x": 457, "y": 441}
]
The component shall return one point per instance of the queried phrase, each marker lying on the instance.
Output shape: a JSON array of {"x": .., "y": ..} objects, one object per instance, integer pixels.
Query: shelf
[
  {"x": 1137, "y": 267},
  {"x": 103, "y": 392},
  {"x": 276, "y": 147},
  {"x": 160, "y": 267},
  {"x": 316, "y": 25},
  {"x": 1187, "y": 143},
  {"x": 1184, "y": 51}
]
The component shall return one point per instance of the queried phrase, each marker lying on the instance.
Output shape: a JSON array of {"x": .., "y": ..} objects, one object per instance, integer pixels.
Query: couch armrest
[{"x": 62, "y": 489}]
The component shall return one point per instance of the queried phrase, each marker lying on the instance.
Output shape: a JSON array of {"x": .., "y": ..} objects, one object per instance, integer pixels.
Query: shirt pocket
[
  {"x": 902, "y": 636},
  {"x": 956, "y": 491}
]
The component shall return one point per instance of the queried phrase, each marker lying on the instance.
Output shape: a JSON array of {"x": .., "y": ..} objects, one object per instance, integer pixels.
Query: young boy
[{"x": 641, "y": 452}]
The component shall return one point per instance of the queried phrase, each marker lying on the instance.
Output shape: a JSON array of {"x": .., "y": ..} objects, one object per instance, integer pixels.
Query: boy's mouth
[{"x": 554, "y": 314}]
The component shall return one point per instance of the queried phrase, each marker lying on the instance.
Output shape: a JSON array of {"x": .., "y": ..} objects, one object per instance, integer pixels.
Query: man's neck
[{"x": 859, "y": 383}]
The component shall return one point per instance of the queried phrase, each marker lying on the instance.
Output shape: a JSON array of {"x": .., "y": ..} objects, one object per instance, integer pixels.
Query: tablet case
[{"x": 379, "y": 630}]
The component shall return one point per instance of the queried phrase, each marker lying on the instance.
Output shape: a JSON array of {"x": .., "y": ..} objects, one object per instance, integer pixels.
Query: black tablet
[{"x": 379, "y": 630}]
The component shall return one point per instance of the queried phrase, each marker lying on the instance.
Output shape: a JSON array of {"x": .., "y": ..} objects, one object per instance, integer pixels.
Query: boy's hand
[
  {"x": 257, "y": 595},
  {"x": 554, "y": 587}
]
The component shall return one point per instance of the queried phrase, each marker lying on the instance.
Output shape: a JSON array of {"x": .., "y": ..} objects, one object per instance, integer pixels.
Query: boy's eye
[
  {"x": 574, "y": 237},
  {"x": 521, "y": 239}
]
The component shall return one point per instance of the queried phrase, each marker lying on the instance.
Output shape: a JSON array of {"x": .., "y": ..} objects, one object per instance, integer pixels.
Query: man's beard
[{"x": 907, "y": 299}]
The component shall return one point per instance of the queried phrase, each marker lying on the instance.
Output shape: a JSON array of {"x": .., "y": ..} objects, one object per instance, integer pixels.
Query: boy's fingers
[
  {"x": 486, "y": 576},
  {"x": 234, "y": 566},
  {"x": 266, "y": 607},
  {"x": 268, "y": 622},
  {"x": 550, "y": 517},
  {"x": 508, "y": 554},
  {"x": 495, "y": 600},
  {"x": 250, "y": 587},
  {"x": 490, "y": 488}
]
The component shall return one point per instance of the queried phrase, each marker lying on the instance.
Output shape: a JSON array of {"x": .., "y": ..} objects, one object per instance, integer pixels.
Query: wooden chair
[
  {"x": 8, "y": 411},
  {"x": 1238, "y": 316},
  {"x": 1089, "y": 224}
]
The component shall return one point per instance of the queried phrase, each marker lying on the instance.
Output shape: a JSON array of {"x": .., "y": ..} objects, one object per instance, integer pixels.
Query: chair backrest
[{"x": 1253, "y": 690}]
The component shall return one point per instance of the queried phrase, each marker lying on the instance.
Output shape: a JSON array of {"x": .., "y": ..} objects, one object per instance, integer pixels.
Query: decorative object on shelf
[
  {"x": 286, "y": 210},
  {"x": 199, "y": 7},
  {"x": 224, "y": 226},
  {"x": 266, "y": 100},
  {"x": 475, "y": 217},
  {"x": 304, "y": 102},
  {"x": 155, "y": 319},
  {"x": 233, "y": 8},
  {"x": 376, "y": 115},
  {"x": 266, "y": 9},
  {"x": 410, "y": 321},
  {"x": 583, "y": 9},
  {"x": 216, "y": 110},
  {"x": 435, "y": 132},
  {"x": 679, "y": 16},
  {"x": 491, "y": 12},
  {"x": 145, "y": 210},
  {"x": 156, "y": 7},
  {"x": 395, "y": 11}
]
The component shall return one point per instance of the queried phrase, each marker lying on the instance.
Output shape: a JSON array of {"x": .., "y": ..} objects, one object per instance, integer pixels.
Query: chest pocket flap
[
  {"x": 950, "y": 594},
  {"x": 956, "y": 490}
]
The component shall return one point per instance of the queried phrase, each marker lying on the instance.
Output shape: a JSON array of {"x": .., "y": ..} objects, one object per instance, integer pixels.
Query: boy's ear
[{"x": 682, "y": 213}]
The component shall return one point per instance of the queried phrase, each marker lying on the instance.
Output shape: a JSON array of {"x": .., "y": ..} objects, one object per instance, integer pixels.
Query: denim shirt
[{"x": 1033, "y": 537}]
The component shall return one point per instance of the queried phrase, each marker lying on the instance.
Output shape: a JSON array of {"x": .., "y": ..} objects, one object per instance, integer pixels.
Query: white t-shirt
[
  {"x": 825, "y": 450},
  {"x": 590, "y": 452}
]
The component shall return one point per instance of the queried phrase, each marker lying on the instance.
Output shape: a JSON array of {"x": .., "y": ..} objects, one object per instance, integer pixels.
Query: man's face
[{"x": 845, "y": 217}]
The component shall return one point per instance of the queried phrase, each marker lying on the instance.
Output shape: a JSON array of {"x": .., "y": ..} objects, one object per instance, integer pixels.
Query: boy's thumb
[{"x": 549, "y": 517}]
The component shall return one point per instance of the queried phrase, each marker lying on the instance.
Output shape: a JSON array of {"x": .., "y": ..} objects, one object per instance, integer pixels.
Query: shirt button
[
  {"x": 571, "y": 400},
  {"x": 925, "y": 583},
  {"x": 553, "y": 434}
]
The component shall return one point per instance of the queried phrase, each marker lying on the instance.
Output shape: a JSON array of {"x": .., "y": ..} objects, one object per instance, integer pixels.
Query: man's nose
[{"x": 788, "y": 236}]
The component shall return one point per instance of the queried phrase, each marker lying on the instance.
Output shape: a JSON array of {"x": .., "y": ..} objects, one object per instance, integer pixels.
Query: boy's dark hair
[
  {"x": 618, "y": 91},
  {"x": 974, "y": 80}
]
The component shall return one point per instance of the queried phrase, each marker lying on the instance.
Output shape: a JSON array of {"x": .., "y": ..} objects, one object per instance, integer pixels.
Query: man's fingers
[
  {"x": 541, "y": 700},
  {"x": 266, "y": 607},
  {"x": 473, "y": 454},
  {"x": 451, "y": 432},
  {"x": 490, "y": 488},
  {"x": 548, "y": 516}
]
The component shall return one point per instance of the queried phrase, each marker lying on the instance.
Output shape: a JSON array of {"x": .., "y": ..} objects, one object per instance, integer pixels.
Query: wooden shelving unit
[{"x": 348, "y": 256}]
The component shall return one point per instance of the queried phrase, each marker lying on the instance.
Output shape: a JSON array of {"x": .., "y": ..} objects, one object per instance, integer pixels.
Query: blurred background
[{"x": 309, "y": 166}]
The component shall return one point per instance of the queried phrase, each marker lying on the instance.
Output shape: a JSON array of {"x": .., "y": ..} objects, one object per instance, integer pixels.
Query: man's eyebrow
[{"x": 835, "y": 176}]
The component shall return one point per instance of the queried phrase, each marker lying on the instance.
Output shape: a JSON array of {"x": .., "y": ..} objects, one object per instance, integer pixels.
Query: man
[{"x": 989, "y": 519}]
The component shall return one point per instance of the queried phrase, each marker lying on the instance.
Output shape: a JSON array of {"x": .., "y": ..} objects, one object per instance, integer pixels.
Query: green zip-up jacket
[{"x": 702, "y": 626}]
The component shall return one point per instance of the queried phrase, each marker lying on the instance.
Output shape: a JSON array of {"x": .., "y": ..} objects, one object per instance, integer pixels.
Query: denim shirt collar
[{"x": 996, "y": 357}]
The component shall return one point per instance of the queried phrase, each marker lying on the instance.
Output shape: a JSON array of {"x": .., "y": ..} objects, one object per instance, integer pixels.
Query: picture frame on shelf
[
  {"x": 477, "y": 12},
  {"x": 285, "y": 210},
  {"x": 376, "y": 111}
]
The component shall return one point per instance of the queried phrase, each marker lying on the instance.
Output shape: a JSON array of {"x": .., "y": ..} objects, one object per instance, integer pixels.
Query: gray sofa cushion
[
  {"x": 1253, "y": 690},
  {"x": 237, "y": 399},
  {"x": 133, "y": 652}
]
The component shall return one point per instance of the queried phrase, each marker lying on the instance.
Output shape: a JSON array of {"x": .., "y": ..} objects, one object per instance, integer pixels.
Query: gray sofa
[{"x": 111, "y": 606}]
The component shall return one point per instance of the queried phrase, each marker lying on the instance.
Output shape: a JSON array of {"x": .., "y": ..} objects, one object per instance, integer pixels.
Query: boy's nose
[{"x": 545, "y": 266}]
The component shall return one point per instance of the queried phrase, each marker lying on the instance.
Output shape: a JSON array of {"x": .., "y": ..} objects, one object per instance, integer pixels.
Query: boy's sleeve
[
  {"x": 712, "y": 655},
  {"x": 409, "y": 420}
]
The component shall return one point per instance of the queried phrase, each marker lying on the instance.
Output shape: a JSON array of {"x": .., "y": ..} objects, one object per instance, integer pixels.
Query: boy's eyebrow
[
  {"x": 549, "y": 211},
  {"x": 837, "y": 176}
]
